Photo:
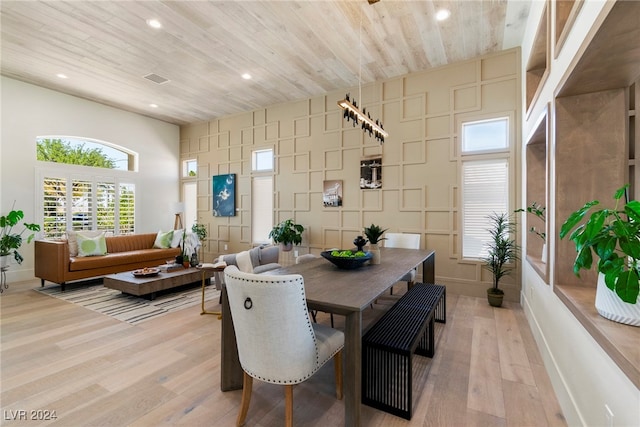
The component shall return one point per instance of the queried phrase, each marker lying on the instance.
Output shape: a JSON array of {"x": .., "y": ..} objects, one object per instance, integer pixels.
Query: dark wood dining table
[{"x": 344, "y": 292}]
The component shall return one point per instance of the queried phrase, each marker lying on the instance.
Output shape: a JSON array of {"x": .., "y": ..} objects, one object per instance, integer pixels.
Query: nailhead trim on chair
[{"x": 309, "y": 325}]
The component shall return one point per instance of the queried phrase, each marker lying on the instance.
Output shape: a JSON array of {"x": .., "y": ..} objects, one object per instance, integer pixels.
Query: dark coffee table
[{"x": 149, "y": 285}]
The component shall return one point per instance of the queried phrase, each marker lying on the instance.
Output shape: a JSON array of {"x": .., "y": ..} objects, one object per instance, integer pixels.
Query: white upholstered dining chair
[
  {"x": 277, "y": 342},
  {"x": 407, "y": 241}
]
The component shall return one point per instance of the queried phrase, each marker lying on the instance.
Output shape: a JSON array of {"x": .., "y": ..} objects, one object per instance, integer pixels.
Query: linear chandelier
[{"x": 351, "y": 111}]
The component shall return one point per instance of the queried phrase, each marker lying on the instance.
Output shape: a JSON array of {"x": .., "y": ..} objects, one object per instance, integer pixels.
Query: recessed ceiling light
[
  {"x": 154, "y": 23},
  {"x": 246, "y": 76},
  {"x": 62, "y": 76},
  {"x": 153, "y": 105},
  {"x": 443, "y": 14}
]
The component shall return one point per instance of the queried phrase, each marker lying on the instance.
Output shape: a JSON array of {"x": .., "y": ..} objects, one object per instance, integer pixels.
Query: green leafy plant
[
  {"x": 540, "y": 212},
  {"x": 11, "y": 241},
  {"x": 502, "y": 249},
  {"x": 374, "y": 233},
  {"x": 201, "y": 231},
  {"x": 287, "y": 232},
  {"x": 613, "y": 235}
]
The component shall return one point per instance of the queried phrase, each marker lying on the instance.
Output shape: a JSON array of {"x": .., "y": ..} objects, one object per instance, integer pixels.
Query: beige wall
[{"x": 312, "y": 143}]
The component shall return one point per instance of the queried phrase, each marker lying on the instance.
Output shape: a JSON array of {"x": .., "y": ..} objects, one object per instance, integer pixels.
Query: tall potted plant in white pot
[
  {"x": 613, "y": 236},
  {"x": 10, "y": 239}
]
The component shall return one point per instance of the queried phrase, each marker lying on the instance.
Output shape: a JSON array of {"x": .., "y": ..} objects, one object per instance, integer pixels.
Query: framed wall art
[
  {"x": 332, "y": 193},
  {"x": 224, "y": 195},
  {"x": 371, "y": 172}
]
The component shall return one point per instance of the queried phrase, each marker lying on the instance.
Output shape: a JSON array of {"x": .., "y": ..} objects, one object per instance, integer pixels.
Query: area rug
[{"x": 130, "y": 308}]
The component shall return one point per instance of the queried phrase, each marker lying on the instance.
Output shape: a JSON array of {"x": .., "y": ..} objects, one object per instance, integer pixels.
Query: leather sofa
[{"x": 128, "y": 252}]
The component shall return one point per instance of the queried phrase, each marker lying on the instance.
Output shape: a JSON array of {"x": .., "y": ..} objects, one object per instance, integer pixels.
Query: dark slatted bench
[{"x": 387, "y": 347}]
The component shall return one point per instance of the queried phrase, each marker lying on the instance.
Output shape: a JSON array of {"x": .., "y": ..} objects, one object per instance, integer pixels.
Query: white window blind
[
  {"x": 261, "y": 208},
  {"x": 485, "y": 189},
  {"x": 54, "y": 206},
  {"x": 105, "y": 204},
  {"x": 81, "y": 205},
  {"x": 127, "y": 209}
]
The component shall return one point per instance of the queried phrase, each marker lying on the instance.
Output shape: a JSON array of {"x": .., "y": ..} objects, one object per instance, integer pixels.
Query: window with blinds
[
  {"x": 87, "y": 203},
  {"x": 485, "y": 180}
]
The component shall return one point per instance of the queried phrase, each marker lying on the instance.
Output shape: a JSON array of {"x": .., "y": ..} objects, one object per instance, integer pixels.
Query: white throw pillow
[
  {"x": 72, "y": 239},
  {"x": 243, "y": 259},
  {"x": 177, "y": 238},
  {"x": 91, "y": 246},
  {"x": 163, "y": 239}
]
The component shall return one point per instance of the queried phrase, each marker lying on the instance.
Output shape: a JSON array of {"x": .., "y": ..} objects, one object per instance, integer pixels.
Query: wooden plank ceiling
[{"x": 292, "y": 49}]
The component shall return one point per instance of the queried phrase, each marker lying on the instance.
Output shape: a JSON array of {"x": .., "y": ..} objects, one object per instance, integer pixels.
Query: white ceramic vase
[
  {"x": 4, "y": 261},
  {"x": 611, "y": 307},
  {"x": 543, "y": 257},
  {"x": 375, "y": 254}
]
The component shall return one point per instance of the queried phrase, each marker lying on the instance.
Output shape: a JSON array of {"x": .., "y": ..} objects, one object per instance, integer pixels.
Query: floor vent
[{"x": 156, "y": 78}]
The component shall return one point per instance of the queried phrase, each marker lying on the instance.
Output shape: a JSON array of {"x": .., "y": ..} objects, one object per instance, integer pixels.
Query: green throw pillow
[
  {"x": 163, "y": 240},
  {"x": 91, "y": 246}
]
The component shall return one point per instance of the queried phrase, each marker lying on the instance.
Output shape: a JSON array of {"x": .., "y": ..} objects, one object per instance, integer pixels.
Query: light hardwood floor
[{"x": 93, "y": 370}]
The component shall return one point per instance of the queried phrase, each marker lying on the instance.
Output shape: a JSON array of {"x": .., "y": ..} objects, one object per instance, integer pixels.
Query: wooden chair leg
[
  {"x": 247, "y": 385},
  {"x": 288, "y": 405},
  {"x": 337, "y": 364}
]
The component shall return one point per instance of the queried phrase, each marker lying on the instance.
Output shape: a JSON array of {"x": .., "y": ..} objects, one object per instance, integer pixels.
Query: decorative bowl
[
  {"x": 146, "y": 272},
  {"x": 347, "y": 263}
]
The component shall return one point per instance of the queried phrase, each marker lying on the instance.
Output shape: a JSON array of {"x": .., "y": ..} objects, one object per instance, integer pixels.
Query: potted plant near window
[
  {"x": 502, "y": 252},
  {"x": 538, "y": 211},
  {"x": 374, "y": 235},
  {"x": 287, "y": 233},
  {"x": 200, "y": 230},
  {"x": 11, "y": 241},
  {"x": 613, "y": 235}
]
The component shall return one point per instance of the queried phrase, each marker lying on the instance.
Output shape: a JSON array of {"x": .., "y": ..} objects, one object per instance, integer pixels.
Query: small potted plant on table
[
  {"x": 502, "y": 252},
  {"x": 374, "y": 235},
  {"x": 287, "y": 233}
]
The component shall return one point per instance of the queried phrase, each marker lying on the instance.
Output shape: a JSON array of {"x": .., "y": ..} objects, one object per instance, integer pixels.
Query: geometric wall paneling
[
  {"x": 497, "y": 66},
  {"x": 272, "y": 131},
  {"x": 499, "y": 94},
  {"x": 301, "y": 127},
  {"x": 314, "y": 183},
  {"x": 437, "y": 221},
  {"x": 203, "y": 188},
  {"x": 413, "y": 152},
  {"x": 391, "y": 201},
  {"x": 301, "y": 202},
  {"x": 284, "y": 164},
  {"x": 391, "y": 174},
  {"x": 245, "y": 234},
  {"x": 203, "y": 145},
  {"x": 284, "y": 146},
  {"x": 301, "y": 163},
  {"x": 203, "y": 167},
  {"x": 352, "y": 137},
  {"x": 371, "y": 200},
  {"x": 222, "y": 230},
  {"x": 332, "y": 237},
  {"x": 372, "y": 150},
  {"x": 413, "y": 107},
  {"x": 441, "y": 148},
  {"x": 411, "y": 171},
  {"x": 350, "y": 218},
  {"x": 437, "y": 103},
  {"x": 465, "y": 98},
  {"x": 332, "y": 121},
  {"x": 259, "y": 117},
  {"x": 392, "y": 89},
  {"x": 437, "y": 126},
  {"x": 223, "y": 140},
  {"x": 333, "y": 160},
  {"x": 235, "y": 154},
  {"x": 411, "y": 199},
  {"x": 565, "y": 12},
  {"x": 412, "y": 129},
  {"x": 246, "y": 136}
]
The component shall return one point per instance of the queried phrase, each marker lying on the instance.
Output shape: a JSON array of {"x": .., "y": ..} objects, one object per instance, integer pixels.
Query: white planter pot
[
  {"x": 611, "y": 307},
  {"x": 375, "y": 252},
  {"x": 4, "y": 261},
  {"x": 543, "y": 258}
]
